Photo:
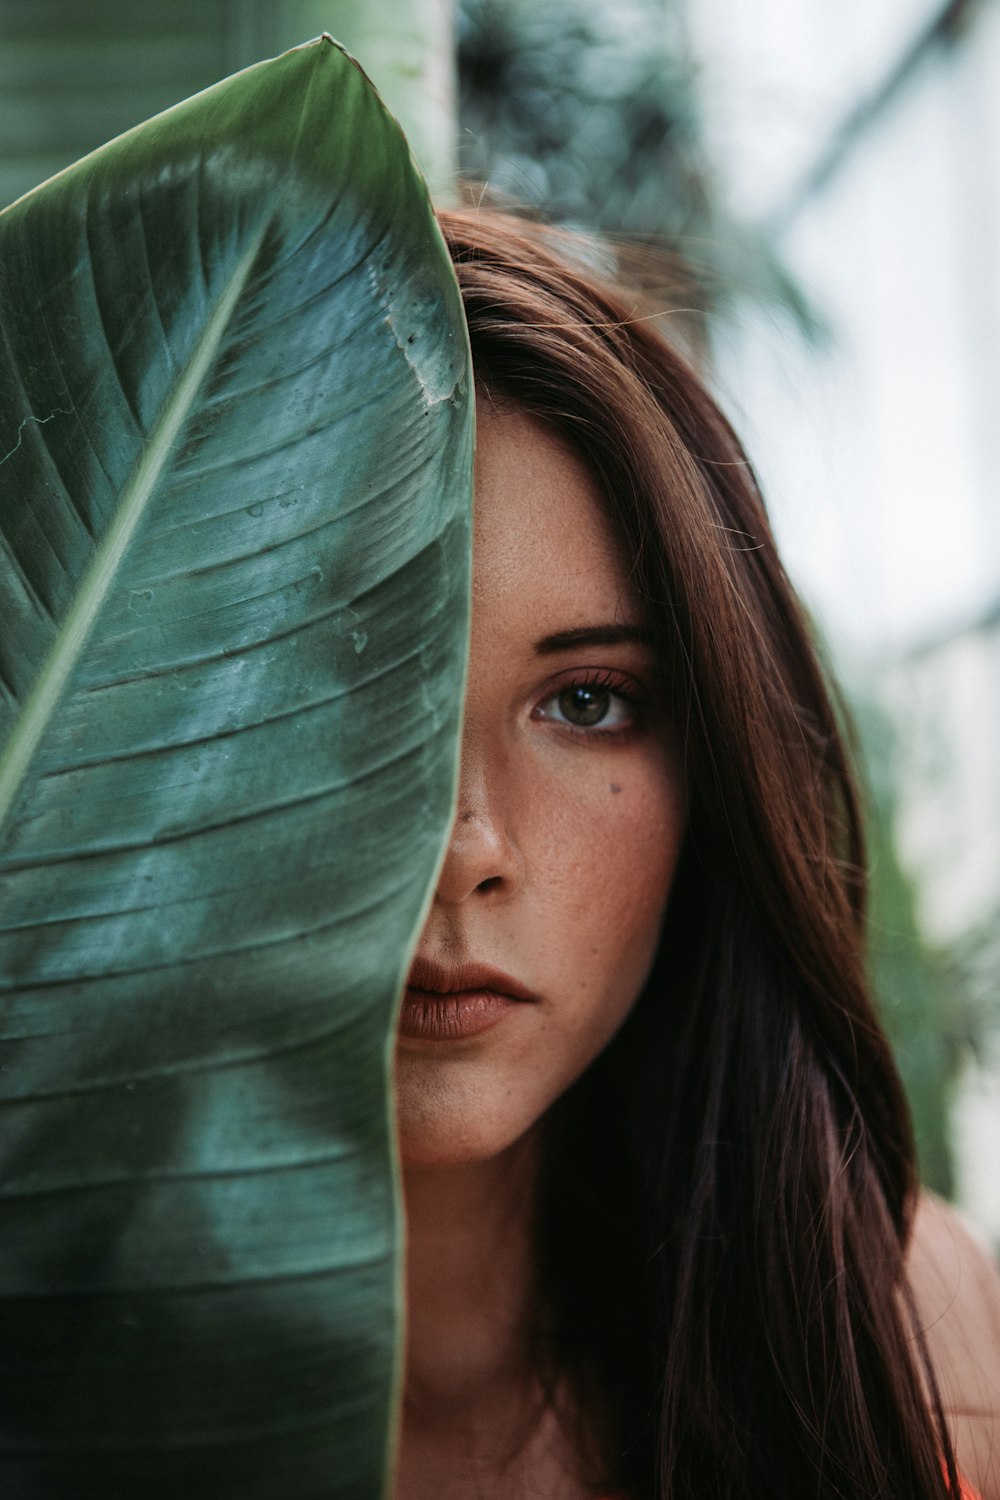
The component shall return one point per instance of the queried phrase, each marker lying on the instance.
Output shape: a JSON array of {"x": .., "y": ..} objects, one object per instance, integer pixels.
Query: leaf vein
[{"x": 78, "y": 622}]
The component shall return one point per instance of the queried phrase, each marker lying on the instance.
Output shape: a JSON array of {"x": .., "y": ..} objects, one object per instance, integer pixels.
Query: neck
[
  {"x": 470, "y": 1285},
  {"x": 474, "y": 1416}
]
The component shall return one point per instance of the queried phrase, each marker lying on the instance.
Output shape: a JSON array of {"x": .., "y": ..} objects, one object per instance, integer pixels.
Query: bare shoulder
[{"x": 956, "y": 1287}]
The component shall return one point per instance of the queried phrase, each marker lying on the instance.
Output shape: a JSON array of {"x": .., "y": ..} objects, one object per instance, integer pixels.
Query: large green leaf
[{"x": 235, "y": 460}]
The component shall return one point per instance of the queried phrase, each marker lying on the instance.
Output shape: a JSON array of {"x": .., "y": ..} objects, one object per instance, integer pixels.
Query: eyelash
[{"x": 612, "y": 683}]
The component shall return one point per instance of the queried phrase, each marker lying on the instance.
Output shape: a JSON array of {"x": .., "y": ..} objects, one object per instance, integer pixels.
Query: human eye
[{"x": 602, "y": 702}]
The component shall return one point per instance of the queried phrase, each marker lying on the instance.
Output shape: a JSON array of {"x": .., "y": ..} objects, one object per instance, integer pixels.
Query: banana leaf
[{"x": 235, "y": 475}]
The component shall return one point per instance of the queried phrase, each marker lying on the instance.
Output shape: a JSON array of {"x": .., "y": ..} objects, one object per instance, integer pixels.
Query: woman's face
[{"x": 570, "y": 815}]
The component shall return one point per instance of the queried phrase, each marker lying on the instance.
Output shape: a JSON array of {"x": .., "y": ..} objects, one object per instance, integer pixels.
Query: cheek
[
  {"x": 604, "y": 864},
  {"x": 609, "y": 856}
]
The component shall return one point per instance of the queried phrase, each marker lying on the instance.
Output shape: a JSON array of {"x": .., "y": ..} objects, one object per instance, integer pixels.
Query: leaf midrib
[{"x": 72, "y": 635}]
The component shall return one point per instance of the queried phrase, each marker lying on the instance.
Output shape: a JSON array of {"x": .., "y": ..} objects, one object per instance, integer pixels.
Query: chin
[
  {"x": 425, "y": 1156},
  {"x": 439, "y": 1132},
  {"x": 433, "y": 1144}
]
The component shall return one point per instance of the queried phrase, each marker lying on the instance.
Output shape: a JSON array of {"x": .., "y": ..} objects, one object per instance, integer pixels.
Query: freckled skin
[{"x": 547, "y": 876}]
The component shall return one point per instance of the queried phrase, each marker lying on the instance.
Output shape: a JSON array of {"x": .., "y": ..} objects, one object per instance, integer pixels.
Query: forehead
[{"x": 542, "y": 539}]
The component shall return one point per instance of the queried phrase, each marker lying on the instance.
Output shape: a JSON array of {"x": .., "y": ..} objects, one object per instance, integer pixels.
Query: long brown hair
[{"x": 729, "y": 1189}]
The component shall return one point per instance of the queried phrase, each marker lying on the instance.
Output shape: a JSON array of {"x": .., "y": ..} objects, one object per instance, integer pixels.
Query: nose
[{"x": 482, "y": 858}]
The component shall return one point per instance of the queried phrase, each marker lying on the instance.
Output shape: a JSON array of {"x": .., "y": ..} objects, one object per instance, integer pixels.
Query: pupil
[{"x": 584, "y": 705}]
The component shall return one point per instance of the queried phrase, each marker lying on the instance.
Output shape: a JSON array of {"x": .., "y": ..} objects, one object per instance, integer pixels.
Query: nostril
[{"x": 490, "y": 883}]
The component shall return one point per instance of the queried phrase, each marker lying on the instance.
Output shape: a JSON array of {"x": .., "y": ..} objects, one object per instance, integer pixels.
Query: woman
[{"x": 658, "y": 1166}]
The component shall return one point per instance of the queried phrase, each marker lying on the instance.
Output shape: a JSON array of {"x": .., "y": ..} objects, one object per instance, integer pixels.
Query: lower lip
[{"x": 430, "y": 1016}]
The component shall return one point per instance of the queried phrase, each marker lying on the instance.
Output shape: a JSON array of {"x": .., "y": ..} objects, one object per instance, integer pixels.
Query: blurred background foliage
[
  {"x": 596, "y": 115},
  {"x": 920, "y": 996},
  {"x": 592, "y": 115}
]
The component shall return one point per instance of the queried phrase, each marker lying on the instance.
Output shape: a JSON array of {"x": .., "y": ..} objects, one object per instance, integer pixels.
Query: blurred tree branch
[{"x": 948, "y": 26}]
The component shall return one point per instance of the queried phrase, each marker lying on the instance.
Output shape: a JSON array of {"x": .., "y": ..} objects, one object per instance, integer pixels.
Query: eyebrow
[{"x": 590, "y": 635}]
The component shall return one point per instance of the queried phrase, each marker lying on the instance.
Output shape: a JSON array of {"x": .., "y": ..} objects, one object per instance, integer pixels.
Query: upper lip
[{"x": 427, "y": 975}]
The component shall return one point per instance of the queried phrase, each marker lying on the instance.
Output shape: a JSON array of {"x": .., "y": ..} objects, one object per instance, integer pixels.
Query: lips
[
  {"x": 436, "y": 979},
  {"x": 444, "y": 1004}
]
